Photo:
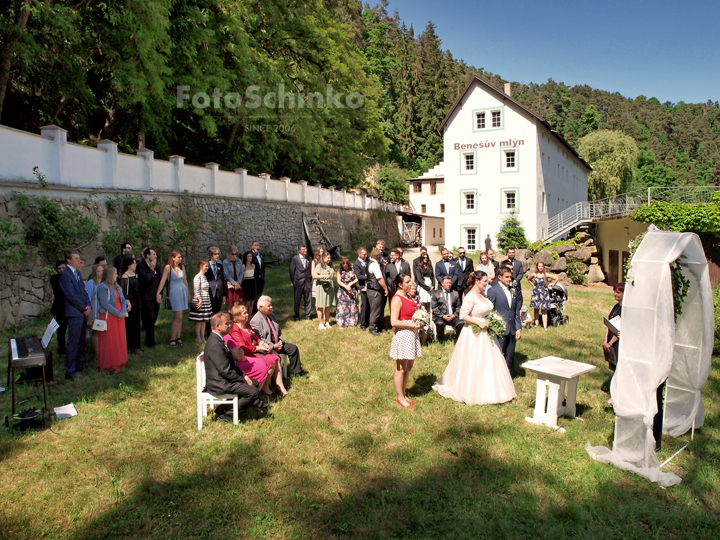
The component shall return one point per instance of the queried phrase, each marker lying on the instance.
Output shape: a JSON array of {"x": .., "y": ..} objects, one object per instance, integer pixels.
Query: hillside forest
[{"x": 111, "y": 70}]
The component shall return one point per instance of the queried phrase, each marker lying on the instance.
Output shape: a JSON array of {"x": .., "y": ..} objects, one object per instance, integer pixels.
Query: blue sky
[{"x": 662, "y": 49}]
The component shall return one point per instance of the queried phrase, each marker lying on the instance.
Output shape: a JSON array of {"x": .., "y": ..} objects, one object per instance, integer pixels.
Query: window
[
  {"x": 471, "y": 239},
  {"x": 442, "y": 208},
  {"x": 423, "y": 208},
  {"x": 440, "y": 232},
  {"x": 417, "y": 187},
  {"x": 496, "y": 122},
  {"x": 433, "y": 232},
  {"x": 469, "y": 201},
  {"x": 433, "y": 188},
  {"x": 510, "y": 200},
  {"x": 510, "y": 160},
  {"x": 469, "y": 162},
  {"x": 480, "y": 120}
]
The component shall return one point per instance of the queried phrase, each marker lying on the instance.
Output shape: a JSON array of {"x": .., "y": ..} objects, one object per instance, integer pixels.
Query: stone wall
[{"x": 25, "y": 290}]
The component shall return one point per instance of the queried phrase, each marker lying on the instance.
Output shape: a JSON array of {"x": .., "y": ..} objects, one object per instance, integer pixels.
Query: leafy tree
[
  {"x": 393, "y": 185},
  {"x": 612, "y": 155},
  {"x": 512, "y": 234}
]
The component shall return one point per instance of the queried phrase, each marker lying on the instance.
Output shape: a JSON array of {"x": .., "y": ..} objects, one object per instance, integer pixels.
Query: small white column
[
  {"x": 287, "y": 187},
  {"x": 58, "y": 173},
  {"x": 344, "y": 193},
  {"x": 363, "y": 201},
  {"x": 332, "y": 196},
  {"x": 110, "y": 176},
  {"x": 214, "y": 170},
  {"x": 266, "y": 178},
  {"x": 243, "y": 180},
  {"x": 149, "y": 157},
  {"x": 319, "y": 192},
  {"x": 179, "y": 163},
  {"x": 303, "y": 191}
]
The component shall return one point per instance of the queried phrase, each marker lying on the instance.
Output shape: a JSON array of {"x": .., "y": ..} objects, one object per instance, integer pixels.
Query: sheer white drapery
[{"x": 653, "y": 347}]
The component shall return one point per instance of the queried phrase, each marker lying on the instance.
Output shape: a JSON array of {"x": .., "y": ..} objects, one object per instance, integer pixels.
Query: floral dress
[
  {"x": 540, "y": 298},
  {"x": 347, "y": 310}
]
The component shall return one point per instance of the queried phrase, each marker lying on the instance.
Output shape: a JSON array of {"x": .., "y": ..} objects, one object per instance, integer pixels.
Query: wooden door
[{"x": 613, "y": 263}]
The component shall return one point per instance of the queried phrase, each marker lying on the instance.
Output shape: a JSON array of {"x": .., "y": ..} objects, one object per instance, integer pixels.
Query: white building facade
[{"x": 500, "y": 158}]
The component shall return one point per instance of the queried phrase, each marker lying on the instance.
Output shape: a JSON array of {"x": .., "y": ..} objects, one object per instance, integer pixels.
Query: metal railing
[{"x": 585, "y": 212}]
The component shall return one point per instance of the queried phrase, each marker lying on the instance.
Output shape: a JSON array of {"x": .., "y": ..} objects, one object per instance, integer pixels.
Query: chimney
[{"x": 508, "y": 89}]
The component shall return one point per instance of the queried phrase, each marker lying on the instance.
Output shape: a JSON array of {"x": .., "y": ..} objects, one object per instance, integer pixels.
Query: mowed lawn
[{"x": 339, "y": 459}]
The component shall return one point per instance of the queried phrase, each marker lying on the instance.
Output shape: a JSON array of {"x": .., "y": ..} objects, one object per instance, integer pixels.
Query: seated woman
[{"x": 256, "y": 356}]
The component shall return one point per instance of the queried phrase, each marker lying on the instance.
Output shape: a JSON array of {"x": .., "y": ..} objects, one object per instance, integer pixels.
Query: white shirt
[
  {"x": 374, "y": 269},
  {"x": 507, "y": 294}
]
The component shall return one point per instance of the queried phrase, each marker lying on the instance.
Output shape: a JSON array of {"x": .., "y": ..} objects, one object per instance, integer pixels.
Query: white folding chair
[
  {"x": 284, "y": 364},
  {"x": 205, "y": 399}
]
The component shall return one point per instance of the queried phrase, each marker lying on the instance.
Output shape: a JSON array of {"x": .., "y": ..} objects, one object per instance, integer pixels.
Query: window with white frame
[
  {"x": 471, "y": 238},
  {"x": 496, "y": 119},
  {"x": 469, "y": 161},
  {"x": 480, "y": 120},
  {"x": 469, "y": 200},
  {"x": 510, "y": 201}
]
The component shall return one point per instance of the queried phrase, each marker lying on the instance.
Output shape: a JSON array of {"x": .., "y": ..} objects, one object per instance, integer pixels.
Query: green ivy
[
  {"x": 681, "y": 217},
  {"x": 137, "y": 224},
  {"x": 13, "y": 247},
  {"x": 680, "y": 287}
]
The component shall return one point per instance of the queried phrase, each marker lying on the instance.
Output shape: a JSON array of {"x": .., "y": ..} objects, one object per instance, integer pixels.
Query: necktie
[
  {"x": 272, "y": 329},
  {"x": 214, "y": 268},
  {"x": 304, "y": 261},
  {"x": 447, "y": 303}
]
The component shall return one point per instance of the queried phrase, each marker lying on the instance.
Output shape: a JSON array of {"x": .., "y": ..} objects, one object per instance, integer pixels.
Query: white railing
[{"x": 585, "y": 212}]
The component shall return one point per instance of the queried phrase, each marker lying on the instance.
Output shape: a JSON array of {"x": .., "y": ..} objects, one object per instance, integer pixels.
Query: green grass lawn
[{"x": 339, "y": 458}]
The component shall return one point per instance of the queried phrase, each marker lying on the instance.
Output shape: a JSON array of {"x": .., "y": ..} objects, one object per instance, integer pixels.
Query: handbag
[
  {"x": 166, "y": 300},
  {"x": 97, "y": 325}
]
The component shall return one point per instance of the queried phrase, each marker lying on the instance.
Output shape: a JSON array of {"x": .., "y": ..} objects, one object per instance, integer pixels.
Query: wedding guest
[
  {"x": 222, "y": 376},
  {"x": 611, "y": 344},
  {"x": 416, "y": 263},
  {"x": 112, "y": 343},
  {"x": 130, "y": 285},
  {"x": 178, "y": 293},
  {"x": 446, "y": 309},
  {"x": 465, "y": 268},
  {"x": 77, "y": 307},
  {"x": 216, "y": 280},
  {"x": 259, "y": 268},
  {"x": 488, "y": 243},
  {"x": 377, "y": 293},
  {"x": 324, "y": 291},
  {"x": 317, "y": 261},
  {"x": 384, "y": 257},
  {"x": 395, "y": 267},
  {"x": 233, "y": 271},
  {"x": 266, "y": 326},
  {"x": 149, "y": 279},
  {"x": 517, "y": 266},
  {"x": 402, "y": 260},
  {"x": 301, "y": 279},
  {"x": 101, "y": 260},
  {"x": 405, "y": 347},
  {"x": 91, "y": 286},
  {"x": 58, "y": 306},
  {"x": 346, "y": 312},
  {"x": 125, "y": 250},
  {"x": 425, "y": 279},
  {"x": 258, "y": 356},
  {"x": 447, "y": 267},
  {"x": 486, "y": 265},
  {"x": 496, "y": 265},
  {"x": 540, "y": 297},
  {"x": 360, "y": 268},
  {"x": 249, "y": 284},
  {"x": 201, "y": 308}
]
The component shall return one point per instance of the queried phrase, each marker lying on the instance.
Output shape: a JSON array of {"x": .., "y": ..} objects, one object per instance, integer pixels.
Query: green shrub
[
  {"x": 512, "y": 234},
  {"x": 575, "y": 274}
]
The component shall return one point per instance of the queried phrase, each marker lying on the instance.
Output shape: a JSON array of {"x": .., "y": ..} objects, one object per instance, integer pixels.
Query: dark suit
[
  {"x": 511, "y": 315},
  {"x": 76, "y": 301},
  {"x": 391, "y": 272},
  {"x": 463, "y": 274},
  {"x": 517, "y": 271},
  {"x": 438, "y": 306},
  {"x": 360, "y": 268},
  {"x": 441, "y": 272},
  {"x": 496, "y": 265},
  {"x": 259, "y": 262},
  {"x": 222, "y": 376},
  {"x": 261, "y": 327},
  {"x": 218, "y": 286},
  {"x": 302, "y": 283},
  {"x": 149, "y": 308},
  {"x": 58, "y": 310}
]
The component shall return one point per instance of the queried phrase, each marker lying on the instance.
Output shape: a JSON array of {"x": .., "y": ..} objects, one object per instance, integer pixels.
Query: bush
[
  {"x": 575, "y": 274},
  {"x": 512, "y": 234}
]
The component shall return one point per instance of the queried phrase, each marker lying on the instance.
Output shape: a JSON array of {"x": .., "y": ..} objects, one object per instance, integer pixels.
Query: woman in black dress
[
  {"x": 425, "y": 280},
  {"x": 131, "y": 289},
  {"x": 612, "y": 342}
]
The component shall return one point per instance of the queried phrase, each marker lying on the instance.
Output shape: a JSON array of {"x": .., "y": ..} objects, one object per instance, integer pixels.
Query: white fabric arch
[{"x": 654, "y": 348}]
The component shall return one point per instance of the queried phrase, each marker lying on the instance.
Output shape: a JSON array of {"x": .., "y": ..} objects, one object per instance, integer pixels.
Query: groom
[{"x": 508, "y": 305}]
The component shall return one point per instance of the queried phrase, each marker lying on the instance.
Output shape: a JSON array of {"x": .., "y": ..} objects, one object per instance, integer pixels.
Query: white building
[{"x": 499, "y": 157}]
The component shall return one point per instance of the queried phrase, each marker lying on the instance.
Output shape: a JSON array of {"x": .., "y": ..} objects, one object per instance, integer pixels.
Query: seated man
[
  {"x": 266, "y": 326},
  {"x": 222, "y": 376},
  {"x": 445, "y": 307}
]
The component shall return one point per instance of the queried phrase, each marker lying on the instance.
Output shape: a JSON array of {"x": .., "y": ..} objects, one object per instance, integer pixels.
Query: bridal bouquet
[
  {"x": 422, "y": 318},
  {"x": 496, "y": 325}
]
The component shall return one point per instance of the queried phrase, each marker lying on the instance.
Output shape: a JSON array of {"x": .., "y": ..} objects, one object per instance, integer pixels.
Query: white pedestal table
[{"x": 553, "y": 374}]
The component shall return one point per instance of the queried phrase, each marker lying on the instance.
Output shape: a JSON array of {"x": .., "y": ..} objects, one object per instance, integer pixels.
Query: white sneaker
[
  {"x": 321, "y": 326},
  {"x": 327, "y": 325}
]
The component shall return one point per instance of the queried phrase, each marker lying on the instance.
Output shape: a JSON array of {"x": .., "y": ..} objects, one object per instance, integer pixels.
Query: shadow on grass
[{"x": 423, "y": 385}]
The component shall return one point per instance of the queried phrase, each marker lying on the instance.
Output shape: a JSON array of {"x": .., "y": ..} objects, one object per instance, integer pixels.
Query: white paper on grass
[
  {"x": 66, "y": 411},
  {"x": 654, "y": 348}
]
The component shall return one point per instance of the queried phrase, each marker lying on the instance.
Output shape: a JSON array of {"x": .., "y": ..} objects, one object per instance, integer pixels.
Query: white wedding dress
[{"x": 477, "y": 373}]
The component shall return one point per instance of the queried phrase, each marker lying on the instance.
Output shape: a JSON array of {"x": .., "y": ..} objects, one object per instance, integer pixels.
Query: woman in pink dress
[{"x": 112, "y": 308}]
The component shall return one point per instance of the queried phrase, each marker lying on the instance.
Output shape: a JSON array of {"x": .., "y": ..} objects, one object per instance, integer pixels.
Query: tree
[
  {"x": 393, "y": 185},
  {"x": 512, "y": 234},
  {"x": 612, "y": 155}
]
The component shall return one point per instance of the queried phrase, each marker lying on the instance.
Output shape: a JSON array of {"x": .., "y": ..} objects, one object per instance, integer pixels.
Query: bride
[{"x": 477, "y": 373}]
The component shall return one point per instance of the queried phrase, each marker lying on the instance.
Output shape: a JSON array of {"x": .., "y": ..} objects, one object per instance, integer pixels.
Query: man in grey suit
[
  {"x": 302, "y": 281},
  {"x": 445, "y": 307},
  {"x": 395, "y": 267},
  {"x": 266, "y": 326}
]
